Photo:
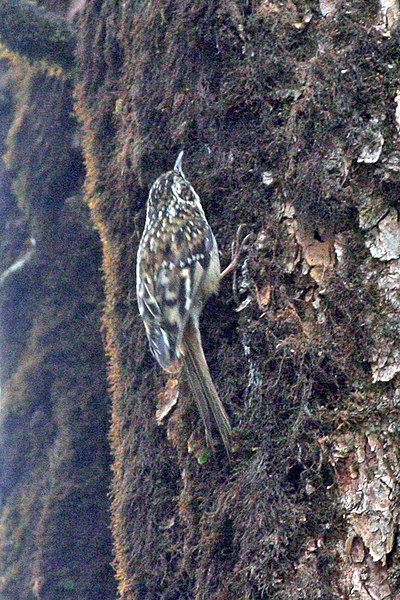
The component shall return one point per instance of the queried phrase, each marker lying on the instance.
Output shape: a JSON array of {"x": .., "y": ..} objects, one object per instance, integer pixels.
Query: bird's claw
[{"x": 236, "y": 250}]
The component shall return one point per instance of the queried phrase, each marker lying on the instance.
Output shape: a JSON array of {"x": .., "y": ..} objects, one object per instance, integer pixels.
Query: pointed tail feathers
[{"x": 203, "y": 389}]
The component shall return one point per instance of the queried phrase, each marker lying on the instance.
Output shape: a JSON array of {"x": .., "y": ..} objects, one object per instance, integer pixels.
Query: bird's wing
[{"x": 167, "y": 291}]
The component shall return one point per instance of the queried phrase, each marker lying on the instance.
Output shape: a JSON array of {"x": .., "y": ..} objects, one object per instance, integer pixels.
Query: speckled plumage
[
  {"x": 175, "y": 255},
  {"x": 177, "y": 270}
]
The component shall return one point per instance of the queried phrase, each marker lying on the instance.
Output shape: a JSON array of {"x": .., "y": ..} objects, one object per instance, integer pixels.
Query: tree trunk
[
  {"x": 37, "y": 34},
  {"x": 54, "y": 468},
  {"x": 288, "y": 114}
]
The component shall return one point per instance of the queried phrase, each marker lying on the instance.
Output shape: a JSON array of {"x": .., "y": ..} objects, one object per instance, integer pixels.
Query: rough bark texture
[
  {"x": 287, "y": 113},
  {"x": 54, "y": 469}
]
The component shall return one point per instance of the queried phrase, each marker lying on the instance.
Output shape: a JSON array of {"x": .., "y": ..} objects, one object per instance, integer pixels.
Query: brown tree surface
[{"x": 287, "y": 113}]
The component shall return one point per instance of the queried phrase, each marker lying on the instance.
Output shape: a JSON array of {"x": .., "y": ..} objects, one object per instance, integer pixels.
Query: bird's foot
[{"x": 237, "y": 248}]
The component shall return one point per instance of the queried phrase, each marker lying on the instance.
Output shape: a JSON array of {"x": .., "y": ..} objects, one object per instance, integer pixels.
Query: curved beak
[{"x": 178, "y": 165}]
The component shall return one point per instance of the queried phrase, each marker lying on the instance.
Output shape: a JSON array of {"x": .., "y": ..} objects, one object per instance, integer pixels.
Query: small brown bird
[{"x": 178, "y": 269}]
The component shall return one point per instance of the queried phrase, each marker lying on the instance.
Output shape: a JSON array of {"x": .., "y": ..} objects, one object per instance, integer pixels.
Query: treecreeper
[{"x": 178, "y": 269}]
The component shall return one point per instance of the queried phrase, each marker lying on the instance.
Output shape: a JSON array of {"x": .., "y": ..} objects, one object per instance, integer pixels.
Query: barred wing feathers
[{"x": 173, "y": 259}]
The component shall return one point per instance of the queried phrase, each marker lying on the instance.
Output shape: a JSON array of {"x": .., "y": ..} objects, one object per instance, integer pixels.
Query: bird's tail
[{"x": 203, "y": 388}]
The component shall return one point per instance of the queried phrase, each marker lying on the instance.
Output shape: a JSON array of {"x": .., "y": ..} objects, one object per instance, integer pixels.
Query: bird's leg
[{"x": 237, "y": 247}]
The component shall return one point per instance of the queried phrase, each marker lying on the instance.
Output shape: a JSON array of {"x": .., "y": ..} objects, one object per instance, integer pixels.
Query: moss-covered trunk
[
  {"x": 287, "y": 114},
  {"x": 54, "y": 467}
]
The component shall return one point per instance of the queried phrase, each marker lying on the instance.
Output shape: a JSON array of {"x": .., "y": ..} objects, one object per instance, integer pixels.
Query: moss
[
  {"x": 53, "y": 428},
  {"x": 243, "y": 90}
]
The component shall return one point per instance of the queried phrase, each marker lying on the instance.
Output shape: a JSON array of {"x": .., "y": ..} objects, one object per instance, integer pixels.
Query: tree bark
[{"x": 287, "y": 114}]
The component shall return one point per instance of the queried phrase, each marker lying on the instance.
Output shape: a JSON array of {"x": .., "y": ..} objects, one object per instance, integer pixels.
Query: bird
[{"x": 177, "y": 270}]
